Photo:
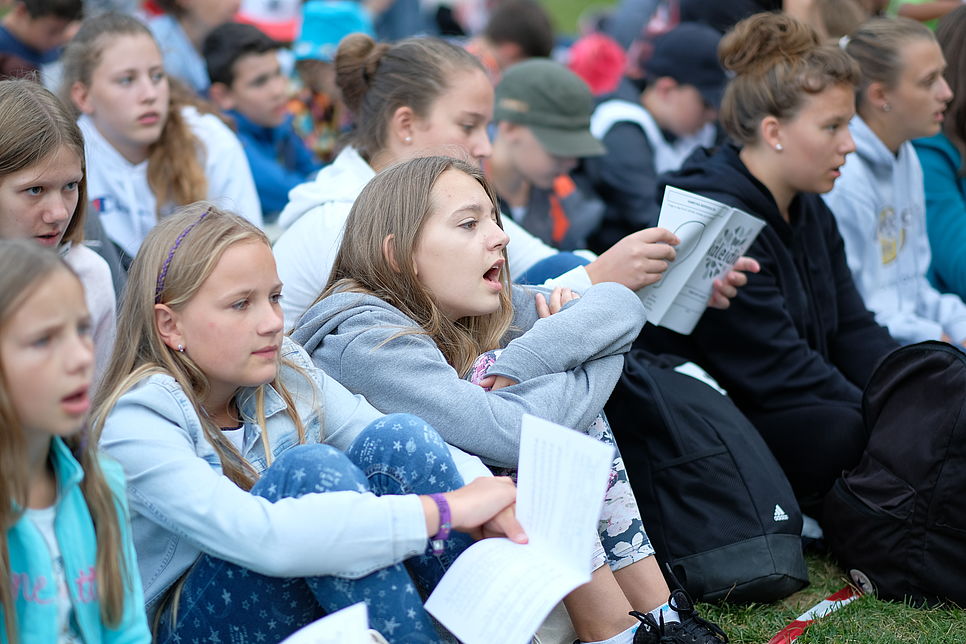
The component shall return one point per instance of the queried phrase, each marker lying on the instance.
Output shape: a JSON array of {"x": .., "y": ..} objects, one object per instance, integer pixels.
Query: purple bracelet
[{"x": 444, "y": 524}]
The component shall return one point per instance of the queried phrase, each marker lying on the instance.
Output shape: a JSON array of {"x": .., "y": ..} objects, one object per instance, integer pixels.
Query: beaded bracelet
[{"x": 444, "y": 524}]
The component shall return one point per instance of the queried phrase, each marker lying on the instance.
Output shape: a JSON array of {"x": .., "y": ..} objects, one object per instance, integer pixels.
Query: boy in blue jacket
[
  {"x": 32, "y": 34},
  {"x": 247, "y": 83}
]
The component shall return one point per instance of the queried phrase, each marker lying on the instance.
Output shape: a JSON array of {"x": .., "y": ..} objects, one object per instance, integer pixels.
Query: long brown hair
[
  {"x": 34, "y": 126},
  {"x": 777, "y": 61},
  {"x": 139, "y": 351},
  {"x": 377, "y": 79},
  {"x": 22, "y": 266},
  {"x": 951, "y": 34},
  {"x": 175, "y": 172},
  {"x": 398, "y": 202}
]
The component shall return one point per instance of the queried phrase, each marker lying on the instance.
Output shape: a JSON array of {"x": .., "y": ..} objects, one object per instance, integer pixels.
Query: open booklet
[
  {"x": 713, "y": 236},
  {"x": 500, "y": 591}
]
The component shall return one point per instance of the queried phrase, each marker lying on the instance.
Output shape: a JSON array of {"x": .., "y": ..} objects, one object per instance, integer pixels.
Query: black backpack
[
  {"x": 898, "y": 519},
  {"x": 716, "y": 504}
]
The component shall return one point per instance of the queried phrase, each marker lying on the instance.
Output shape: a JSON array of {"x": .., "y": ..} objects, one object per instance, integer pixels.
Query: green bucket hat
[{"x": 553, "y": 102}]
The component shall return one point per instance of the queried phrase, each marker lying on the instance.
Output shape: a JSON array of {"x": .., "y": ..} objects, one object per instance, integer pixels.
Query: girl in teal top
[{"x": 68, "y": 572}]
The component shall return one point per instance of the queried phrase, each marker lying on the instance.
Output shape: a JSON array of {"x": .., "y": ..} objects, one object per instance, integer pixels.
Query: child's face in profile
[
  {"x": 530, "y": 159},
  {"x": 38, "y": 202},
  {"x": 689, "y": 111},
  {"x": 232, "y": 327},
  {"x": 47, "y": 356},
  {"x": 459, "y": 254},
  {"x": 259, "y": 90}
]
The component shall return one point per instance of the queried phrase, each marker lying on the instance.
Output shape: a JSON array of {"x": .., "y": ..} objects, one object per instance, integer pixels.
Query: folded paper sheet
[
  {"x": 713, "y": 236},
  {"x": 499, "y": 591}
]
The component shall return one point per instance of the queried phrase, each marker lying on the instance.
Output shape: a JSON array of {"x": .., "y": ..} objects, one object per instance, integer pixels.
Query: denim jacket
[
  {"x": 183, "y": 505},
  {"x": 35, "y": 597}
]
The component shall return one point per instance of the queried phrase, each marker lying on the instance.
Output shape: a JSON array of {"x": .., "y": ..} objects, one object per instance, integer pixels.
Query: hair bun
[
  {"x": 356, "y": 62},
  {"x": 759, "y": 41}
]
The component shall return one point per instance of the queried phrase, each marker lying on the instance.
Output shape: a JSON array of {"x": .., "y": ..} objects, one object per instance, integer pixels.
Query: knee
[
  {"x": 397, "y": 436},
  {"x": 307, "y": 469}
]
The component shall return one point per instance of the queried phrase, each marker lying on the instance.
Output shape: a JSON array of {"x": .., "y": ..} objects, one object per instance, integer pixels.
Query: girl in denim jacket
[
  {"x": 247, "y": 527},
  {"x": 66, "y": 556}
]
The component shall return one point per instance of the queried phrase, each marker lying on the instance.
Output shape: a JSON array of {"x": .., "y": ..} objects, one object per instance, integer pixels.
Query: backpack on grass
[
  {"x": 716, "y": 504},
  {"x": 898, "y": 518}
]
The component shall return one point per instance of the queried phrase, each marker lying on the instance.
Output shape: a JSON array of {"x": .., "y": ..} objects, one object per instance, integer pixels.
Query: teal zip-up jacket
[
  {"x": 34, "y": 590},
  {"x": 945, "y": 212}
]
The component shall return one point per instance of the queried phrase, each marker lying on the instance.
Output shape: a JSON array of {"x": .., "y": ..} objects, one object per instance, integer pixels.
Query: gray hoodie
[{"x": 565, "y": 365}]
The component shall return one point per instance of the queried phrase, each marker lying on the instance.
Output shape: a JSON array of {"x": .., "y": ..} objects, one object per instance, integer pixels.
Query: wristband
[{"x": 444, "y": 524}]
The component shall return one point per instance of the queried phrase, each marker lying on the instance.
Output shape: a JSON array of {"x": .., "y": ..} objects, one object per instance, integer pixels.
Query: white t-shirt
[{"x": 43, "y": 519}]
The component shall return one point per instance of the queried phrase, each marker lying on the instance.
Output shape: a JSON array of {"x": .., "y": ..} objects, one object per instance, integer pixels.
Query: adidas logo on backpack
[{"x": 780, "y": 514}]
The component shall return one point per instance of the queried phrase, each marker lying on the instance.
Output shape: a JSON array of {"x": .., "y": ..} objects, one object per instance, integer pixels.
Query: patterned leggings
[
  {"x": 621, "y": 539},
  {"x": 398, "y": 454}
]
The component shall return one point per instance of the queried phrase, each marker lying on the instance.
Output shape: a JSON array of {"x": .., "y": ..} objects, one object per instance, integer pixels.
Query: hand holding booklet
[
  {"x": 500, "y": 591},
  {"x": 713, "y": 236}
]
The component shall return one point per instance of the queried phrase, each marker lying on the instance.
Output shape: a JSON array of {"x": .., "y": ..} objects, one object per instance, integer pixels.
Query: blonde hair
[
  {"x": 877, "y": 47},
  {"x": 139, "y": 350},
  {"x": 23, "y": 265},
  {"x": 34, "y": 126},
  {"x": 175, "y": 172},
  {"x": 777, "y": 61},
  {"x": 397, "y": 202}
]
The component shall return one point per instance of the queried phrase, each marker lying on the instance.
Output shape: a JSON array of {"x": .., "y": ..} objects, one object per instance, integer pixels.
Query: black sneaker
[{"x": 691, "y": 628}]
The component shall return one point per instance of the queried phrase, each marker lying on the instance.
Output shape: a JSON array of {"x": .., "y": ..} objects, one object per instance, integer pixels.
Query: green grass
[
  {"x": 566, "y": 12},
  {"x": 864, "y": 621}
]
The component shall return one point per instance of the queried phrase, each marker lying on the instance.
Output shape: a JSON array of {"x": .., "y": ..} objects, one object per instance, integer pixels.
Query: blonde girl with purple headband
[{"x": 247, "y": 526}]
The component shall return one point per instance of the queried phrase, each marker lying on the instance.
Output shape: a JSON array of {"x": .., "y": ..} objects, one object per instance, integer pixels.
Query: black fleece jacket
[{"x": 798, "y": 334}]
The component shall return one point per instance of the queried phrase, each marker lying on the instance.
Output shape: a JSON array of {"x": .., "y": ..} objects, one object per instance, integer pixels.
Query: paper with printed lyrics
[
  {"x": 500, "y": 591},
  {"x": 713, "y": 236},
  {"x": 347, "y": 626}
]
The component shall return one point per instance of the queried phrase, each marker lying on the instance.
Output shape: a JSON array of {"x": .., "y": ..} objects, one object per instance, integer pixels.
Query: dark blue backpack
[{"x": 716, "y": 504}]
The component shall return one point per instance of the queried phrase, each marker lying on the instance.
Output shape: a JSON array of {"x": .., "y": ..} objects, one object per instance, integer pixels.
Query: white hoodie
[
  {"x": 879, "y": 203},
  {"x": 120, "y": 195},
  {"x": 315, "y": 217}
]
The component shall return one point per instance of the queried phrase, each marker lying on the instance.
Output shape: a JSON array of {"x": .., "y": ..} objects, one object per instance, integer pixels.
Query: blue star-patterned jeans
[{"x": 397, "y": 454}]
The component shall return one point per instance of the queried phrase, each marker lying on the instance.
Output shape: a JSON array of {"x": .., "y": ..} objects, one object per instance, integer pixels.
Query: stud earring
[
  {"x": 779, "y": 147},
  {"x": 886, "y": 107},
  {"x": 180, "y": 348},
  {"x": 408, "y": 139}
]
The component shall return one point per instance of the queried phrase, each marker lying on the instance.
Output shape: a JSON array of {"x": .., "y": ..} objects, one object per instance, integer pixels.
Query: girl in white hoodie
[
  {"x": 879, "y": 202},
  {"x": 148, "y": 151},
  {"x": 418, "y": 97}
]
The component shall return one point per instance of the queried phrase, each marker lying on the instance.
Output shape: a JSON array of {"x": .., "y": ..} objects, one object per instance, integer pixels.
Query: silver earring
[
  {"x": 408, "y": 139},
  {"x": 886, "y": 107},
  {"x": 779, "y": 147},
  {"x": 180, "y": 348}
]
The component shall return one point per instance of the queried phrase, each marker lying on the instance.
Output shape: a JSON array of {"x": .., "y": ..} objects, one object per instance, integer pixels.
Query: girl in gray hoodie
[{"x": 419, "y": 289}]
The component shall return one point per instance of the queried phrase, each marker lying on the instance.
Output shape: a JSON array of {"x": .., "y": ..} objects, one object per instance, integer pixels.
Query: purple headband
[{"x": 167, "y": 261}]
